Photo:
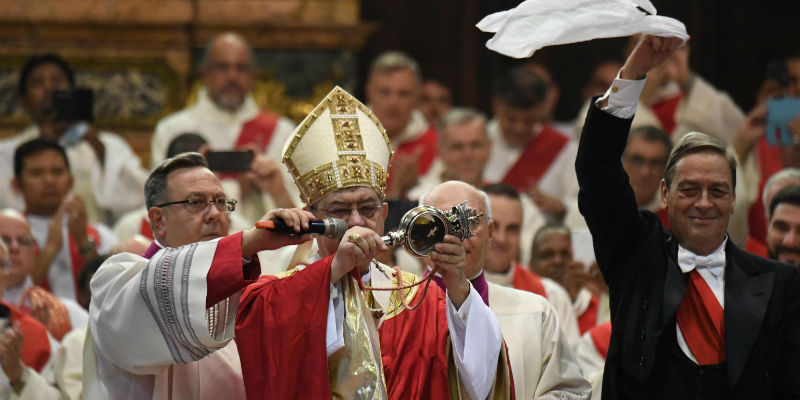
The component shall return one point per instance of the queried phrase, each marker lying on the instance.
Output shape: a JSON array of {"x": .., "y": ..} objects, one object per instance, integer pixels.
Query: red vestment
[
  {"x": 425, "y": 144},
  {"x": 35, "y": 344},
  {"x": 527, "y": 280},
  {"x": 588, "y": 319},
  {"x": 769, "y": 162},
  {"x": 536, "y": 159},
  {"x": 601, "y": 337},
  {"x": 280, "y": 333},
  {"x": 255, "y": 133}
]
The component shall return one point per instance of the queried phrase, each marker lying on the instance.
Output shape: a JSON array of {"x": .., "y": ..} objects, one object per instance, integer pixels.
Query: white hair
[
  {"x": 782, "y": 175},
  {"x": 487, "y": 205}
]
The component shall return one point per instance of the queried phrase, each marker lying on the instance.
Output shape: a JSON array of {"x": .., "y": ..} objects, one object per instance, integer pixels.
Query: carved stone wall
[{"x": 141, "y": 56}]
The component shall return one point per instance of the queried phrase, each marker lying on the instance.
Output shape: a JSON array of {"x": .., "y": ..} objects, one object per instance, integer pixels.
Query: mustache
[
  {"x": 785, "y": 249},
  {"x": 232, "y": 85}
]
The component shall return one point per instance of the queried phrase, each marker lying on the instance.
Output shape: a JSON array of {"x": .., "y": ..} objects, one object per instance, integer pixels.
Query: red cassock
[{"x": 280, "y": 333}]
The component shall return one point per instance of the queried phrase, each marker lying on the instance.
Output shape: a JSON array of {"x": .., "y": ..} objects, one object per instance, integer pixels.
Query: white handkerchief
[{"x": 534, "y": 24}]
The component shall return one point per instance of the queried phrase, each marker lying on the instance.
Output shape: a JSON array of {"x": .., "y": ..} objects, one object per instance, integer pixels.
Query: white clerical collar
[
  {"x": 715, "y": 262},
  {"x": 501, "y": 278}
]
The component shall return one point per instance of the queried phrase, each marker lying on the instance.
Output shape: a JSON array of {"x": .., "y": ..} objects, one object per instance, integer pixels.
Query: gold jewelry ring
[{"x": 353, "y": 237}]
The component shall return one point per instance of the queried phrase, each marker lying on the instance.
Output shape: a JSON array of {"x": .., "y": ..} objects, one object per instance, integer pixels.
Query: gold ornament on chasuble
[{"x": 340, "y": 144}]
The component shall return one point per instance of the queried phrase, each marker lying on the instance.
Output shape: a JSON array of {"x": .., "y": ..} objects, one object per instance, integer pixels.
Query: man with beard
[
  {"x": 783, "y": 232},
  {"x": 227, "y": 117}
]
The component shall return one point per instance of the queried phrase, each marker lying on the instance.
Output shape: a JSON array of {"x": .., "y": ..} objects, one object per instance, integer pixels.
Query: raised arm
[{"x": 606, "y": 198}]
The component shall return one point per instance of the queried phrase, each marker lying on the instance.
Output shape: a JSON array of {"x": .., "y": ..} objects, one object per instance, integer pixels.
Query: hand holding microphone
[{"x": 331, "y": 227}]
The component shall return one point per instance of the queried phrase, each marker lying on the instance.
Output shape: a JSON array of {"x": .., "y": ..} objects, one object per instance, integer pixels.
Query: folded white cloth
[{"x": 534, "y": 24}]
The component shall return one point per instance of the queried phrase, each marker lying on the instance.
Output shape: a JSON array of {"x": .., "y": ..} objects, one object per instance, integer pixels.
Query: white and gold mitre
[{"x": 340, "y": 144}]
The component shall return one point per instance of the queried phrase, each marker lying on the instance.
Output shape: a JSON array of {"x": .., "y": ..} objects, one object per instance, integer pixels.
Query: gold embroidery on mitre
[{"x": 353, "y": 166}]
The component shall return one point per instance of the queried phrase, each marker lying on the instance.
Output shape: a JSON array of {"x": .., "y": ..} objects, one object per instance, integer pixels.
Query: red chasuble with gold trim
[
  {"x": 536, "y": 159},
  {"x": 280, "y": 334}
]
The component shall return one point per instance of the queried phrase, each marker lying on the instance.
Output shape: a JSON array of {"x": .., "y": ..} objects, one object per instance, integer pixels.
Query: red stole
[
  {"x": 425, "y": 144},
  {"x": 665, "y": 112},
  {"x": 756, "y": 247},
  {"x": 769, "y": 162},
  {"x": 75, "y": 256},
  {"x": 35, "y": 345},
  {"x": 601, "y": 337},
  {"x": 527, "y": 280},
  {"x": 663, "y": 215},
  {"x": 701, "y": 320},
  {"x": 588, "y": 319},
  {"x": 536, "y": 159},
  {"x": 258, "y": 131},
  {"x": 255, "y": 133},
  {"x": 145, "y": 229}
]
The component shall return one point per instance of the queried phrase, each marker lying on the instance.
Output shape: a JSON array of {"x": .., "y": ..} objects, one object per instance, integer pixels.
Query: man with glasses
[
  {"x": 644, "y": 160},
  {"x": 227, "y": 117},
  {"x": 25, "y": 347},
  {"x": 315, "y": 331},
  {"x": 161, "y": 323},
  {"x": 59, "y": 315}
]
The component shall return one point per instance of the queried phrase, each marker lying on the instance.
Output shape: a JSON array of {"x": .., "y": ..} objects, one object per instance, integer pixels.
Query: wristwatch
[{"x": 89, "y": 246}]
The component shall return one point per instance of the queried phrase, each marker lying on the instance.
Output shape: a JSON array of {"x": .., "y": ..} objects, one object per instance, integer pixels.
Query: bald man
[
  {"x": 228, "y": 118},
  {"x": 539, "y": 354},
  {"x": 25, "y": 347}
]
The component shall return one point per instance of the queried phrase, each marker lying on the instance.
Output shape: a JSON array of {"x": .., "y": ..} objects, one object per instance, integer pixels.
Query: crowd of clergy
[{"x": 145, "y": 279}]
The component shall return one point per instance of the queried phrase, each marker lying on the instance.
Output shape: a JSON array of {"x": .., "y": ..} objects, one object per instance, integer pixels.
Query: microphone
[{"x": 331, "y": 227}]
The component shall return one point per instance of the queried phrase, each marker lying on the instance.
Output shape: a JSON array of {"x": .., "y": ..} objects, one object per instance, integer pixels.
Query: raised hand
[
  {"x": 650, "y": 52},
  {"x": 11, "y": 354},
  {"x": 450, "y": 257}
]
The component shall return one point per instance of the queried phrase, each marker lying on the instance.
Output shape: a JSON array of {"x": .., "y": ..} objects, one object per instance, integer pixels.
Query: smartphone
[
  {"x": 779, "y": 113},
  {"x": 73, "y": 105},
  {"x": 230, "y": 161}
]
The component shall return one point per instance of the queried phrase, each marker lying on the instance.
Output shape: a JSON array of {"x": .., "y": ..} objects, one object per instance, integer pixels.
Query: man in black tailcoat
[{"x": 693, "y": 316}]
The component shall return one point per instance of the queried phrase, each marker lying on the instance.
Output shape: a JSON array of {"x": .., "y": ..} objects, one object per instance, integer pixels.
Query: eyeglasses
[
  {"x": 198, "y": 205},
  {"x": 474, "y": 223},
  {"x": 641, "y": 162},
  {"x": 23, "y": 242},
  {"x": 342, "y": 212}
]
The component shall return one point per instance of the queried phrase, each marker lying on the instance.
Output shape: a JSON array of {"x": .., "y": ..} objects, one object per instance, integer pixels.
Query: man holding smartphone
[
  {"x": 110, "y": 186},
  {"x": 228, "y": 118}
]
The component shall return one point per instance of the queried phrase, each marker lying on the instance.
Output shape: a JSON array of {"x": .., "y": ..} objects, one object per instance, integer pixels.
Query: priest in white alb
[{"x": 161, "y": 324}]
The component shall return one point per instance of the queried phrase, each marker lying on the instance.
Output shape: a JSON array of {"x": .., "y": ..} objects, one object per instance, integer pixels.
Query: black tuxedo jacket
[{"x": 637, "y": 259}]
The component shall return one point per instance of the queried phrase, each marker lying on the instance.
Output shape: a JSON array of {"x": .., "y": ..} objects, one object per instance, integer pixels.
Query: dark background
[{"x": 732, "y": 41}]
